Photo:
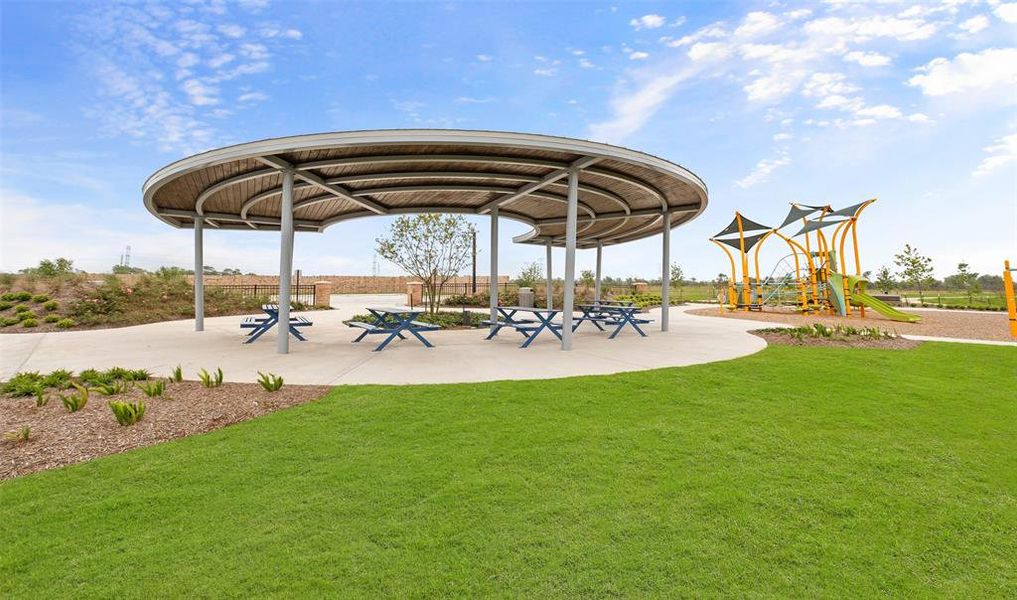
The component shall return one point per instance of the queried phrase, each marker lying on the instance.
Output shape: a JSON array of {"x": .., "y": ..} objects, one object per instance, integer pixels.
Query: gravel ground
[
  {"x": 61, "y": 438},
  {"x": 938, "y": 323},
  {"x": 897, "y": 343}
]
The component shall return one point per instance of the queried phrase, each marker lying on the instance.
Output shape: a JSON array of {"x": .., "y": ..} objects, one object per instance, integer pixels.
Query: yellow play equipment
[
  {"x": 1011, "y": 304},
  {"x": 819, "y": 281}
]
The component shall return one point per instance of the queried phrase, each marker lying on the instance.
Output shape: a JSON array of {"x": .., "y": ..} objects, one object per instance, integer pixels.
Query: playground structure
[
  {"x": 814, "y": 276},
  {"x": 1011, "y": 302}
]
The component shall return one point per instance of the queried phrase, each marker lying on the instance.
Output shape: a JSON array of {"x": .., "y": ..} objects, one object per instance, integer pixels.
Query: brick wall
[{"x": 341, "y": 284}]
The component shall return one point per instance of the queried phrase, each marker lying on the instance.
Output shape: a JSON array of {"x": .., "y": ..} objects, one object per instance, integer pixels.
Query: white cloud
[
  {"x": 992, "y": 69},
  {"x": 867, "y": 28},
  {"x": 867, "y": 59},
  {"x": 251, "y": 97},
  {"x": 631, "y": 110},
  {"x": 974, "y": 24},
  {"x": 639, "y": 56},
  {"x": 708, "y": 51},
  {"x": 545, "y": 72},
  {"x": 841, "y": 102},
  {"x": 782, "y": 137},
  {"x": 1006, "y": 12},
  {"x": 200, "y": 94},
  {"x": 880, "y": 111},
  {"x": 485, "y": 57},
  {"x": 762, "y": 171},
  {"x": 472, "y": 100},
  {"x": 232, "y": 31},
  {"x": 1000, "y": 154},
  {"x": 647, "y": 22},
  {"x": 825, "y": 84},
  {"x": 756, "y": 24},
  {"x": 586, "y": 63},
  {"x": 219, "y": 60},
  {"x": 713, "y": 31},
  {"x": 254, "y": 51},
  {"x": 771, "y": 87}
]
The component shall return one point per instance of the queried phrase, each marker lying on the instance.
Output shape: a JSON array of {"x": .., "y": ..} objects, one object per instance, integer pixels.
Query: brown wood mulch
[
  {"x": 854, "y": 341},
  {"x": 60, "y": 438},
  {"x": 937, "y": 323}
]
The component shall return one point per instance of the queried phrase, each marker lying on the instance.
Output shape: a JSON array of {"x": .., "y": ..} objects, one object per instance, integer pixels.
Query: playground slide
[
  {"x": 836, "y": 288},
  {"x": 883, "y": 308}
]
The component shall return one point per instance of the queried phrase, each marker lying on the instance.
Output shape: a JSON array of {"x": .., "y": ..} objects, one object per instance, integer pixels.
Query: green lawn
[{"x": 796, "y": 472}]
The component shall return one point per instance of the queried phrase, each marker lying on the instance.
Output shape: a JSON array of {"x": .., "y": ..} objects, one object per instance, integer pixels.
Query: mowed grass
[{"x": 796, "y": 472}]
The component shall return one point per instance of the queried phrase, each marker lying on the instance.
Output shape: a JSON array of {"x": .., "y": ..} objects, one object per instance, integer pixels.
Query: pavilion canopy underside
[{"x": 622, "y": 194}]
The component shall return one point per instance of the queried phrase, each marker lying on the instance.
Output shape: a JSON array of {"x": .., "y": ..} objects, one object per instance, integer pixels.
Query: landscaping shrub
[
  {"x": 59, "y": 379},
  {"x": 29, "y": 323},
  {"x": 645, "y": 300},
  {"x": 8, "y": 321},
  {"x": 270, "y": 381},
  {"x": 24, "y": 383},
  {"x": 112, "y": 389},
  {"x": 40, "y": 298},
  {"x": 6, "y": 305},
  {"x": 22, "y": 308},
  {"x": 18, "y": 296},
  {"x": 41, "y": 399},
  {"x": 154, "y": 388},
  {"x": 20, "y": 435},
  {"x": 177, "y": 375},
  {"x": 65, "y": 323},
  {"x": 210, "y": 380},
  {"x": 77, "y": 400},
  {"x": 51, "y": 305},
  {"x": 127, "y": 413},
  {"x": 51, "y": 318}
]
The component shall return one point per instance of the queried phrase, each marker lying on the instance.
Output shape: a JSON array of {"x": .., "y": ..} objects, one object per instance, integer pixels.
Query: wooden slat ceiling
[{"x": 461, "y": 177}]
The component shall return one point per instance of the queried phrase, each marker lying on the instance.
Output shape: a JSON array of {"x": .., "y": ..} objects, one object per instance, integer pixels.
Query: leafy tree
[
  {"x": 677, "y": 275},
  {"x": 587, "y": 278},
  {"x": 884, "y": 280},
  {"x": 431, "y": 247},
  {"x": 51, "y": 268},
  {"x": 126, "y": 270},
  {"x": 915, "y": 269},
  {"x": 965, "y": 280},
  {"x": 991, "y": 282},
  {"x": 531, "y": 274}
]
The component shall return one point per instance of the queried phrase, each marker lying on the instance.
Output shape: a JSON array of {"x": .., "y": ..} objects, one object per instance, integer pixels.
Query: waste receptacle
[{"x": 526, "y": 297}]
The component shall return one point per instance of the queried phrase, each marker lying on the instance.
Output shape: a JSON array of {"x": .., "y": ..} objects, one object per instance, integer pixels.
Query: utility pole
[{"x": 474, "y": 279}]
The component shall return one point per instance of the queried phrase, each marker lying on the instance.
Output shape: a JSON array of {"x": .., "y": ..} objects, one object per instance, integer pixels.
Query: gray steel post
[
  {"x": 550, "y": 280},
  {"x": 665, "y": 275},
  {"x": 570, "y": 259},
  {"x": 492, "y": 283},
  {"x": 596, "y": 283},
  {"x": 285, "y": 262},
  {"x": 199, "y": 274}
]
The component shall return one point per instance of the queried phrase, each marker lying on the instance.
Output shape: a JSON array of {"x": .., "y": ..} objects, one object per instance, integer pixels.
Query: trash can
[{"x": 526, "y": 297}]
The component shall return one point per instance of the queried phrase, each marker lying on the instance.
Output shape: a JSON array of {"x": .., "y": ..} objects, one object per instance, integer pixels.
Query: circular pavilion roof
[{"x": 623, "y": 194}]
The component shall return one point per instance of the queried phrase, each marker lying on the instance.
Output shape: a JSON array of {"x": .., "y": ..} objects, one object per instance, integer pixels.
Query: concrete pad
[{"x": 329, "y": 357}]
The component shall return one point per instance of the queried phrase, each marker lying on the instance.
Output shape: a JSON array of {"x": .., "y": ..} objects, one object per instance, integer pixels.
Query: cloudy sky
[{"x": 770, "y": 102}]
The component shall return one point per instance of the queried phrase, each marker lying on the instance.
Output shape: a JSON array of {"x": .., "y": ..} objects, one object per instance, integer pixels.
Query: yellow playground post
[{"x": 1011, "y": 304}]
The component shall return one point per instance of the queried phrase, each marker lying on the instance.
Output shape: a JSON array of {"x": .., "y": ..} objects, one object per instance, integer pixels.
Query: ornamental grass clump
[
  {"x": 20, "y": 435},
  {"x": 127, "y": 413},
  {"x": 154, "y": 388},
  {"x": 77, "y": 400},
  {"x": 177, "y": 375},
  {"x": 65, "y": 323},
  {"x": 210, "y": 380},
  {"x": 50, "y": 305},
  {"x": 270, "y": 381},
  {"x": 114, "y": 388}
]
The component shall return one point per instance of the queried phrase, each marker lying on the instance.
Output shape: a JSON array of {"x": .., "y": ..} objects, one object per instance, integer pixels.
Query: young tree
[
  {"x": 431, "y": 247},
  {"x": 587, "y": 278},
  {"x": 915, "y": 269},
  {"x": 966, "y": 280},
  {"x": 884, "y": 280},
  {"x": 677, "y": 278},
  {"x": 531, "y": 274},
  {"x": 51, "y": 268}
]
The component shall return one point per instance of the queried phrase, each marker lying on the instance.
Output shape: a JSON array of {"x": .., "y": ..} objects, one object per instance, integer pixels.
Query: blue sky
[{"x": 769, "y": 102}]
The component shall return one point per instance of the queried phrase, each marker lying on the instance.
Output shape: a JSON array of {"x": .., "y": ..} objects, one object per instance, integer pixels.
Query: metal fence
[
  {"x": 298, "y": 293},
  {"x": 465, "y": 288}
]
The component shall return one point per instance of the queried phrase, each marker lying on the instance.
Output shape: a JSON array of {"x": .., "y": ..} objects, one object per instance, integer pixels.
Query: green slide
[
  {"x": 836, "y": 287},
  {"x": 860, "y": 297}
]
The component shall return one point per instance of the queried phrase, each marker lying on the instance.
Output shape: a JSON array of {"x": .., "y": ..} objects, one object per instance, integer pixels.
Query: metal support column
[
  {"x": 571, "y": 216},
  {"x": 492, "y": 282},
  {"x": 550, "y": 279},
  {"x": 596, "y": 282},
  {"x": 665, "y": 274},
  {"x": 285, "y": 262},
  {"x": 199, "y": 274}
]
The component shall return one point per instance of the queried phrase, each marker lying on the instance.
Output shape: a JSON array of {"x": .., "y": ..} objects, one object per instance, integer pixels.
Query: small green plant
[
  {"x": 23, "y": 383},
  {"x": 112, "y": 389},
  {"x": 210, "y": 380},
  {"x": 94, "y": 377},
  {"x": 127, "y": 413},
  {"x": 118, "y": 373},
  {"x": 77, "y": 400},
  {"x": 51, "y": 318},
  {"x": 65, "y": 323},
  {"x": 138, "y": 375},
  {"x": 270, "y": 381},
  {"x": 154, "y": 388},
  {"x": 29, "y": 323},
  {"x": 5, "y": 305},
  {"x": 22, "y": 308},
  {"x": 177, "y": 375},
  {"x": 19, "y": 296},
  {"x": 20, "y": 435},
  {"x": 40, "y": 298},
  {"x": 51, "y": 305},
  {"x": 41, "y": 399},
  {"x": 60, "y": 379},
  {"x": 8, "y": 321}
]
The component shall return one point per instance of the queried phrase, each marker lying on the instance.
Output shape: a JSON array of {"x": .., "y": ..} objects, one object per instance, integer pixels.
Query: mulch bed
[
  {"x": 60, "y": 438},
  {"x": 854, "y": 341}
]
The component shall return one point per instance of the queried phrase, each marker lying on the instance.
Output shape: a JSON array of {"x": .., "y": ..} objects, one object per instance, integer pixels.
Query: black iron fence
[
  {"x": 466, "y": 288},
  {"x": 298, "y": 293}
]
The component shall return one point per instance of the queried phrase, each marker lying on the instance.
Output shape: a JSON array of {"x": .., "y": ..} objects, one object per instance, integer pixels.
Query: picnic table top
[
  {"x": 609, "y": 306},
  {"x": 532, "y": 309},
  {"x": 396, "y": 310}
]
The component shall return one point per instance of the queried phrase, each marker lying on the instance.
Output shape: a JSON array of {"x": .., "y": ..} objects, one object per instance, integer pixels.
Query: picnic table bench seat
[{"x": 260, "y": 324}]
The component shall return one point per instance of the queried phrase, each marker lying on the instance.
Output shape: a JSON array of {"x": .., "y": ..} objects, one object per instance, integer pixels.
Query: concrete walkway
[{"x": 329, "y": 357}]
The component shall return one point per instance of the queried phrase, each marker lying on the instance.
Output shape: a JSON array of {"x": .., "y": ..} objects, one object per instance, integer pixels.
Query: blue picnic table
[
  {"x": 530, "y": 328},
  {"x": 616, "y": 314},
  {"x": 259, "y": 325},
  {"x": 393, "y": 322}
]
